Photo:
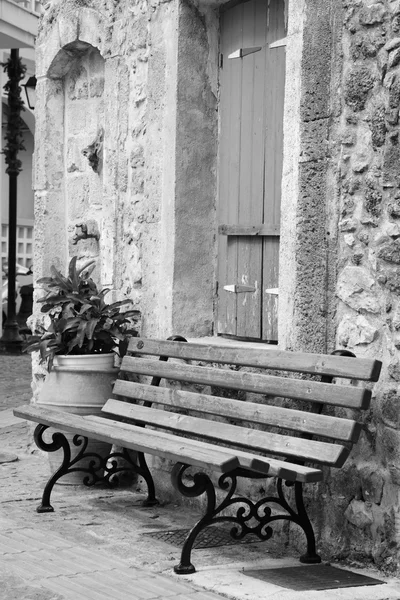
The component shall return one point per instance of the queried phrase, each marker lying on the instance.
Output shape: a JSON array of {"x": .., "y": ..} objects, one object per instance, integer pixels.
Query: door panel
[{"x": 250, "y": 165}]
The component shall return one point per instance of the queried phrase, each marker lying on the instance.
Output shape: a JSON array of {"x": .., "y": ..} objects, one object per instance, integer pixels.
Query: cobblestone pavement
[{"x": 93, "y": 546}]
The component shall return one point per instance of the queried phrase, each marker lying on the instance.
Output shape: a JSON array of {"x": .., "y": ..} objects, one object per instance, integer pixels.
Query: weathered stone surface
[
  {"x": 393, "y": 230},
  {"x": 356, "y": 331},
  {"x": 372, "y": 15},
  {"x": 360, "y": 163},
  {"x": 359, "y": 514},
  {"x": 392, "y": 44},
  {"x": 390, "y": 408},
  {"x": 390, "y": 252},
  {"x": 373, "y": 199},
  {"x": 315, "y": 140},
  {"x": 391, "y": 163},
  {"x": 349, "y": 239},
  {"x": 392, "y": 116},
  {"x": 378, "y": 126},
  {"x": 394, "y": 91},
  {"x": 317, "y": 54},
  {"x": 358, "y": 289},
  {"x": 396, "y": 24},
  {"x": 348, "y": 225},
  {"x": 394, "y": 369},
  {"x": 371, "y": 483},
  {"x": 394, "y": 209},
  {"x": 366, "y": 44},
  {"x": 394, "y": 58},
  {"x": 357, "y": 257},
  {"x": 393, "y": 282},
  {"x": 358, "y": 84},
  {"x": 390, "y": 445}
]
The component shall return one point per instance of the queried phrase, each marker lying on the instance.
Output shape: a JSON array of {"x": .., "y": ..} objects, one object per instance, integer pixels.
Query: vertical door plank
[
  {"x": 274, "y": 94},
  {"x": 251, "y": 167},
  {"x": 229, "y": 161}
]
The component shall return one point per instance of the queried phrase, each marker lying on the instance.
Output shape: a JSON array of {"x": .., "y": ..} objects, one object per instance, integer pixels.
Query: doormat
[
  {"x": 312, "y": 577},
  {"x": 208, "y": 538}
]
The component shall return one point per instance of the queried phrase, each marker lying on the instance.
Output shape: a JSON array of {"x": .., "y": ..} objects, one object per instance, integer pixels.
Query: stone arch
[{"x": 69, "y": 33}]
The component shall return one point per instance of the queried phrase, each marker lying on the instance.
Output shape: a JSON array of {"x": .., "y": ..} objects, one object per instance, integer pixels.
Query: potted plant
[{"x": 78, "y": 344}]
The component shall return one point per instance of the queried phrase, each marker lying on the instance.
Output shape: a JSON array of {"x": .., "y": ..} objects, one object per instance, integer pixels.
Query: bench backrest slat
[
  {"x": 317, "y": 364},
  {"x": 249, "y": 439},
  {"x": 306, "y": 422},
  {"x": 313, "y": 391}
]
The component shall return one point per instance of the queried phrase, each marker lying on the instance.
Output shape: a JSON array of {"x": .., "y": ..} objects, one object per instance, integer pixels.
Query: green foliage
[{"x": 80, "y": 320}]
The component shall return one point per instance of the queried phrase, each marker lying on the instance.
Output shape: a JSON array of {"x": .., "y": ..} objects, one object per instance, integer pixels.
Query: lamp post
[
  {"x": 11, "y": 341},
  {"x": 30, "y": 91}
]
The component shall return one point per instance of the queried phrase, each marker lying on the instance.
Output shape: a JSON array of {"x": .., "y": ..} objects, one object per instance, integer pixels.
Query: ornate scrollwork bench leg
[
  {"x": 251, "y": 517},
  {"x": 98, "y": 469}
]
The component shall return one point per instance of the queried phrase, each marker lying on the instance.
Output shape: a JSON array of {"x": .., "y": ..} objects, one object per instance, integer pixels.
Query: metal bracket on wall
[{"x": 241, "y": 52}]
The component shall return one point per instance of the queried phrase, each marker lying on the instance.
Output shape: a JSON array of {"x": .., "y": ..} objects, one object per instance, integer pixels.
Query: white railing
[
  {"x": 34, "y": 6},
  {"x": 24, "y": 243}
]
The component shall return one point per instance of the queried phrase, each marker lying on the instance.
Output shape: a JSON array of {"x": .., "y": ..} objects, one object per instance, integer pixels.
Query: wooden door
[{"x": 252, "y": 75}]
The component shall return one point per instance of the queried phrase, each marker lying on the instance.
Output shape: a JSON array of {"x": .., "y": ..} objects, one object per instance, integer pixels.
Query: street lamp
[
  {"x": 11, "y": 341},
  {"x": 30, "y": 91}
]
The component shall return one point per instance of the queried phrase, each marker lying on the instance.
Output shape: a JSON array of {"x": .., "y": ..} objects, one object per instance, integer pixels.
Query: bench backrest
[{"x": 265, "y": 422}]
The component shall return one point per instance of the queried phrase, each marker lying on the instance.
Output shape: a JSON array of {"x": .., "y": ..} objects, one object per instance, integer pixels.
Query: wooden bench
[{"x": 290, "y": 442}]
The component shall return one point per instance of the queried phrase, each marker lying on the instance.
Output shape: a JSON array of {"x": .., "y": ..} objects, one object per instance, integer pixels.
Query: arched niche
[{"x": 69, "y": 178}]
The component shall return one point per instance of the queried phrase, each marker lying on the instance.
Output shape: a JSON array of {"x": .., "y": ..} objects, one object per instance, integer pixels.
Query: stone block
[
  {"x": 373, "y": 200},
  {"x": 392, "y": 44},
  {"x": 360, "y": 163},
  {"x": 68, "y": 28},
  {"x": 91, "y": 27},
  {"x": 358, "y": 84},
  {"x": 378, "y": 126},
  {"x": 74, "y": 159},
  {"x": 357, "y": 289},
  {"x": 390, "y": 408},
  {"x": 356, "y": 331},
  {"x": 46, "y": 51},
  {"x": 372, "y": 482},
  {"x": 366, "y": 44},
  {"x": 359, "y": 514},
  {"x": 348, "y": 225},
  {"x": 77, "y": 195},
  {"x": 390, "y": 252},
  {"x": 389, "y": 445},
  {"x": 391, "y": 161},
  {"x": 394, "y": 58},
  {"x": 372, "y": 15},
  {"x": 394, "y": 91}
]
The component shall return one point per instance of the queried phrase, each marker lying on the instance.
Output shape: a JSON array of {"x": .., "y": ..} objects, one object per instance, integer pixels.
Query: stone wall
[{"x": 364, "y": 139}]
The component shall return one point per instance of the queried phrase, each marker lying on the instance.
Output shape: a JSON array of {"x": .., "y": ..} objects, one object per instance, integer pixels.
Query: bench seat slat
[
  {"x": 160, "y": 443},
  {"x": 314, "y": 391},
  {"x": 336, "y": 428},
  {"x": 274, "y": 358},
  {"x": 274, "y": 467},
  {"x": 250, "y": 439}
]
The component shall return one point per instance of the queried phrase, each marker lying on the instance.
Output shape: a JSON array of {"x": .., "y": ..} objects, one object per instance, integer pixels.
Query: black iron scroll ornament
[
  {"x": 98, "y": 469},
  {"x": 251, "y": 517}
]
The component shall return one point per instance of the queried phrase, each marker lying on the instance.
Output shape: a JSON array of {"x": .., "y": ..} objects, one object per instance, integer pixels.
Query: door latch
[{"x": 239, "y": 289}]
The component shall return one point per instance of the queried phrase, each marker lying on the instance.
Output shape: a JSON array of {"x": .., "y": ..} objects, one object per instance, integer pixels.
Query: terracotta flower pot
[{"x": 80, "y": 385}]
